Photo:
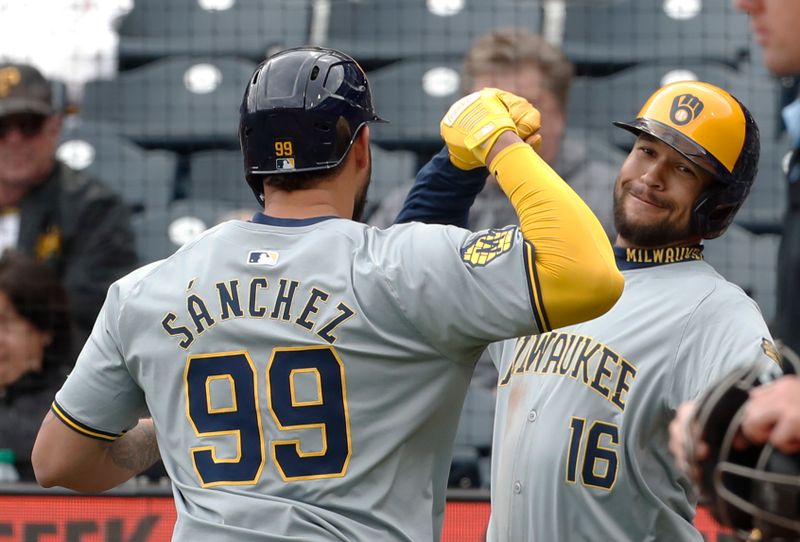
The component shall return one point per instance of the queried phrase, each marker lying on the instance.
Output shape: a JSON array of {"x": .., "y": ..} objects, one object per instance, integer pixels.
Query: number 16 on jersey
[{"x": 599, "y": 463}]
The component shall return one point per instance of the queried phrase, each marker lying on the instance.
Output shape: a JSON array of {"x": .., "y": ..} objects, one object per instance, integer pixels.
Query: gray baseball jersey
[
  {"x": 305, "y": 377},
  {"x": 581, "y": 432}
]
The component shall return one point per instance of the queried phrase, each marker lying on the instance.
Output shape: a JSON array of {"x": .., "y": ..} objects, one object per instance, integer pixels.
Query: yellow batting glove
[
  {"x": 527, "y": 118},
  {"x": 472, "y": 125}
]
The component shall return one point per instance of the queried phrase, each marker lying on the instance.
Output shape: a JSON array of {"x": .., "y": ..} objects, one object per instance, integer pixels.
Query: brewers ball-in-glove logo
[
  {"x": 487, "y": 246},
  {"x": 685, "y": 108}
]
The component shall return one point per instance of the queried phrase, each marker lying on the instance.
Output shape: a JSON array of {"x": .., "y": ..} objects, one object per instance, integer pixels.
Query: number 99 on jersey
[{"x": 242, "y": 418}]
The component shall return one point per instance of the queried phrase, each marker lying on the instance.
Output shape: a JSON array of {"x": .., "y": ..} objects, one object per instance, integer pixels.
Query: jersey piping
[{"x": 83, "y": 429}]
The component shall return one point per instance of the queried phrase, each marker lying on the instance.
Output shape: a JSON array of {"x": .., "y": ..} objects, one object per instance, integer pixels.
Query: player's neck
[
  {"x": 307, "y": 203},
  {"x": 690, "y": 242}
]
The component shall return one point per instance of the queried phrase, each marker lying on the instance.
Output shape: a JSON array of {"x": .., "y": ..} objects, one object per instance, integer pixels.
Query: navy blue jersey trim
[
  {"x": 534, "y": 289},
  {"x": 81, "y": 428},
  {"x": 261, "y": 218},
  {"x": 639, "y": 258}
]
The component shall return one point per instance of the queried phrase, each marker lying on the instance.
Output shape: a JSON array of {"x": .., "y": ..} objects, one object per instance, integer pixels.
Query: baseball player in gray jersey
[
  {"x": 580, "y": 446},
  {"x": 305, "y": 372}
]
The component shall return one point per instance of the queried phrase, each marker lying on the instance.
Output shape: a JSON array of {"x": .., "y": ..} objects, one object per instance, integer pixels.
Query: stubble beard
[{"x": 651, "y": 235}]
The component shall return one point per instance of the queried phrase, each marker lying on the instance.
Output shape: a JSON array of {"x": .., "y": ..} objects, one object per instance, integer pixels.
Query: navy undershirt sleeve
[{"x": 442, "y": 193}]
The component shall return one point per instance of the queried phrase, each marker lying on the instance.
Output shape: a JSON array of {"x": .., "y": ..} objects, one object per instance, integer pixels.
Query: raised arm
[
  {"x": 443, "y": 193},
  {"x": 575, "y": 264}
]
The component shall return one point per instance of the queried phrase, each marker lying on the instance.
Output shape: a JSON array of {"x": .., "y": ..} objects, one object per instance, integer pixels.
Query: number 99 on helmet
[
  {"x": 712, "y": 129},
  {"x": 301, "y": 112}
]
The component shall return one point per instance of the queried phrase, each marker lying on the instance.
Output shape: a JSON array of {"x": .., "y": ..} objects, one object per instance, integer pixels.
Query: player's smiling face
[{"x": 653, "y": 198}]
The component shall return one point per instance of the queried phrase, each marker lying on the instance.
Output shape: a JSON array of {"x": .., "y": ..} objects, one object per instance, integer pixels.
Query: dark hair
[
  {"x": 302, "y": 180},
  {"x": 38, "y": 296}
]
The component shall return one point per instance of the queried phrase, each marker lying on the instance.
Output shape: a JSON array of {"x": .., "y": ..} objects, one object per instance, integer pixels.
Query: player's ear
[{"x": 360, "y": 148}]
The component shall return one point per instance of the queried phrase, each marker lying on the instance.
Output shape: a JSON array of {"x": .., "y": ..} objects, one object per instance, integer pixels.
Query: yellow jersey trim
[{"x": 74, "y": 424}]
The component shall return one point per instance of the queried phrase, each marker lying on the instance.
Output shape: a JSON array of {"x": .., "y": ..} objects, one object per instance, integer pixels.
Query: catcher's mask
[
  {"x": 712, "y": 129},
  {"x": 757, "y": 487}
]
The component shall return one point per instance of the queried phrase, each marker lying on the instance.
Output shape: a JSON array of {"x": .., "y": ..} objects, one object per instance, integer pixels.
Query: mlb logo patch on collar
[{"x": 262, "y": 257}]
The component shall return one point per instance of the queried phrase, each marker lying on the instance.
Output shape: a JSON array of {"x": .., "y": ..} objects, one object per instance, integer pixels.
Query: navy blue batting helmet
[{"x": 301, "y": 111}]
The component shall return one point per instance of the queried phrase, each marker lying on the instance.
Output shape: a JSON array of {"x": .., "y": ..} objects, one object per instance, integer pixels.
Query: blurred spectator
[
  {"x": 774, "y": 25},
  {"x": 36, "y": 344},
  {"x": 522, "y": 62},
  {"x": 72, "y": 223}
]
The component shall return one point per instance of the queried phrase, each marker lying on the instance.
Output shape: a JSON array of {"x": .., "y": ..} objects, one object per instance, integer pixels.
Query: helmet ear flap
[
  {"x": 256, "y": 183},
  {"x": 715, "y": 209},
  {"x": 713, "y": 212}
]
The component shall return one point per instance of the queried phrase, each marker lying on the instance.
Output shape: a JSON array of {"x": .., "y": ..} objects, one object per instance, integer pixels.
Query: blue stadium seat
[
  {"x": 749, "y": 261},
  {"x": 607, "y": 33},
  {"x": 218, "y": 175},
  {"x": 144, "y": 179},
  {"x": 765, "y": 206},
  {"x": 390, "y": 169},
  {"x": 597, "y": 101},
  {"x": 244, "y": 28},
  {"x": 179, "y": 103},
  {"x": 413, "y": 95},
  {"x": 465, "y": 467},
  {"x": 375, "y": 32},
  {"x": 161, "y": 232}
]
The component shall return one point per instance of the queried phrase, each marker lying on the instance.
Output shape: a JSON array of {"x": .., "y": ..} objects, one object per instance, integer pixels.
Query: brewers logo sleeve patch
[{"x": 486, "y": 246}]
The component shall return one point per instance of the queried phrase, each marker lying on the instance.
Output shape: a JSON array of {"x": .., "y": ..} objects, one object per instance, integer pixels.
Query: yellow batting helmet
[{"x": 711, "y": 128}]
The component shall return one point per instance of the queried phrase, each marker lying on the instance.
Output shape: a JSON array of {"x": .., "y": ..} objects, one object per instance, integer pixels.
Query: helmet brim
[{"x": 685, "y": 146}]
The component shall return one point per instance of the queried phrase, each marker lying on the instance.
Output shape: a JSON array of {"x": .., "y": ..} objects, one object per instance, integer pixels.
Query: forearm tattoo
[{"x": 137, "y": 449}]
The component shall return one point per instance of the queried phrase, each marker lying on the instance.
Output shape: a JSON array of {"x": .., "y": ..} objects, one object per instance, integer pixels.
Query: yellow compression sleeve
[{"x": 578, "y": 276}]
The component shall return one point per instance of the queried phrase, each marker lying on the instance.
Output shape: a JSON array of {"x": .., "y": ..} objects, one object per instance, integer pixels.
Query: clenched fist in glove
[
  {"x": 472, "y": 125},
  {"x": 526, "y": 117}
]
